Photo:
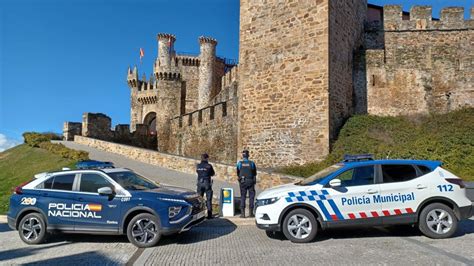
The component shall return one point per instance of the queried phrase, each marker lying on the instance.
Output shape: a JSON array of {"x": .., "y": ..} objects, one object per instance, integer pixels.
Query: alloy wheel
[
  {"x": 299, "y": 226},
  {"x": 31, "y": 229},
  {"x": 144, "y": 231},
  {"x": 439, "y": 221}
]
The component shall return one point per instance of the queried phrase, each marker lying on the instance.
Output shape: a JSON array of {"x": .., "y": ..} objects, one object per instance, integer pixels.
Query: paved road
[
  {"x": 221, "y": 242},
  {"x": 160, "y": 174},
  {"x": 64, "y": 249}
]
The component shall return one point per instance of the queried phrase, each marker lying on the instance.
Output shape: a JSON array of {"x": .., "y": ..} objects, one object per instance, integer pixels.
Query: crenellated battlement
[
  {"x": 216, "y": 112},
  {"x": 168, "y": 76},
  {"x": 205, "y": 39},
  {"x": 232, "y": 75},
  {"x": 186, "y": 60},
  {"x": 166, "y": 37},
  {"x": 420, "y": 18}
]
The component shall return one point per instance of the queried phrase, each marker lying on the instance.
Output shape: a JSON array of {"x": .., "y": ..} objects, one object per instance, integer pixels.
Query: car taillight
[
  {"x": 18, "y": 190},
  {"x": 456, "y": 181}
]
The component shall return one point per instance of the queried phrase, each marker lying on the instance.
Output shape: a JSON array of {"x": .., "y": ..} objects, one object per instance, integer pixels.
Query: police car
[
  {"x": 102, "y": 201},
  {"x": 361, "y": 191}
]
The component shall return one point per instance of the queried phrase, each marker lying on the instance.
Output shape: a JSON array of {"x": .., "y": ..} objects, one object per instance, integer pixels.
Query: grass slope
[
  {"x": 445, "y": 137},
  {"x": 20, "y": 164}
]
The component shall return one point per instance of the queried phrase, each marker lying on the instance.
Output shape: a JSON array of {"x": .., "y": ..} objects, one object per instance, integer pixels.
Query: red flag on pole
[
  {"x": 169, "y": 45},
  {"x": 142, "y": 54}
]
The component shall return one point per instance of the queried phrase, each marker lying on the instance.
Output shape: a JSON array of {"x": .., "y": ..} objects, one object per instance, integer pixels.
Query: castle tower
[
  {"x": 135, "y": 109},
  {"x": 295, "y": 80},
  {"x": 169, "y": 105},
  {"x": 165, "y": 51},
  {"x": 206, "y": 70}
]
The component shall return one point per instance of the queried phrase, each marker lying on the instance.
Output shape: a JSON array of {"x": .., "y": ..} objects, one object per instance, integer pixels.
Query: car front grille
[{"x": 197, "y": 203}]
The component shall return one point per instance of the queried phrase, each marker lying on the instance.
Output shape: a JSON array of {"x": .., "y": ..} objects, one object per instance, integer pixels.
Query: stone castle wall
[
  {"x": 189, "y": 69},
  {"x": 283, "y": 81},
  {"x": 71, "y": 129},
  {"x": 212, "y": 129},
  {"x": 187, "y": 165},
  {"x": 98, "y": 126},
  {"x": 346, "y": 37},
  {"x": 424, "y": 65}
]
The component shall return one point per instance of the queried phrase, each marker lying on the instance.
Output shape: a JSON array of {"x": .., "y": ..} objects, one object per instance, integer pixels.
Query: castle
[{"x": 304, "y": 68}]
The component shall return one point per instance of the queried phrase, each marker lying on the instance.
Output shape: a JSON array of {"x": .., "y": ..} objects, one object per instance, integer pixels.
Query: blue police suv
[{"x": 102, "y": 201}]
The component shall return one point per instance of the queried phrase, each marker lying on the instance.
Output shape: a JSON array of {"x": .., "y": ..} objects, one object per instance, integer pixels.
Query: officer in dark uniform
[
  {"x": 247, "y": 176},
  {"x": 204, "y": 171}
]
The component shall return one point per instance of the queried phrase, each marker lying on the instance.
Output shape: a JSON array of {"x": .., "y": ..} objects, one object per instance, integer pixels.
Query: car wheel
[
  {"x": 300, "y": 226},
  {"x": 437, "y": 221},
  {"x": 144, "y": 230},
  {"x": 32, "y": 229}
]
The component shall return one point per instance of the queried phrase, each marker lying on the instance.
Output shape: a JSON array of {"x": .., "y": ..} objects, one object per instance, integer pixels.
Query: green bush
[
  {"x": 53, "y": 136},
  {"x": 445, "y": 137},
  {"x": 64, "y": 151},
  {"x": 33, "y": 139},
  {"x": 43, "y": 140}
]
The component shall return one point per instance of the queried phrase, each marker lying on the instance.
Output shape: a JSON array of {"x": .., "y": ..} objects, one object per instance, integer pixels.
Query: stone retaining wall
[{"x": 182, "y": 164}]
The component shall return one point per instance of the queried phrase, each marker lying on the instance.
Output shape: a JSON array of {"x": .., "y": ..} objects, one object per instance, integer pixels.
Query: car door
[
  {"x": 100, "y": 212},
  {"x": 57, "y": 200},
  {"x": 354, "y": 198},
  {"x": 401, "y": 191}
]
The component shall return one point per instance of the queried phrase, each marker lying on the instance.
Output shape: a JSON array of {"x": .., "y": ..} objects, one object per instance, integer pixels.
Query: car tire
[
  {"x": 437, "y": 221},
  {"x": 32, "y": 228},
  {"x": 300, "y": 226},
  {"x": 144, "y": 230}
]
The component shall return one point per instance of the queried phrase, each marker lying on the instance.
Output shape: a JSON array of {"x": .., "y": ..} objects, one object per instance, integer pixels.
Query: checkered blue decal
[{"x": 320, "y": 197}]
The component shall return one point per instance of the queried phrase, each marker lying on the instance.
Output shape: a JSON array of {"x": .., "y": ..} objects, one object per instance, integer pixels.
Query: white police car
[{"x": 361, "y": 191}]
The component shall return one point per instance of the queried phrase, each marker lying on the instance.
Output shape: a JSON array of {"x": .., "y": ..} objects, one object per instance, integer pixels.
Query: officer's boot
[
  {"x": 251, "y": 215},
  {"x": 242, "y": 213}
]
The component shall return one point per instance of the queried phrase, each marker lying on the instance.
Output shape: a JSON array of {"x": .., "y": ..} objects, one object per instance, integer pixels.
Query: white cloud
[{"x": 6, "y": 143}]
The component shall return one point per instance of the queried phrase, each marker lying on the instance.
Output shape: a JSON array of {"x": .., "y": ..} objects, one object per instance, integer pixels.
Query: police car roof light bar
[
  {"x": 92, "y": 164},
  {"x": 358, "y": 157}
]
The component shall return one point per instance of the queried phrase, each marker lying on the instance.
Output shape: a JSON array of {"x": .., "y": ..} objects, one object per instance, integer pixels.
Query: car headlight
[
  {"x": 262, "y": 202},
  {"x": 173, "y": 200},
  {"x": 173, "y": 211}
]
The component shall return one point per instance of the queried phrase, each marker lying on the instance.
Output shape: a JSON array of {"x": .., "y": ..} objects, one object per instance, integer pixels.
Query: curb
[{"x": 239, "y": 221}]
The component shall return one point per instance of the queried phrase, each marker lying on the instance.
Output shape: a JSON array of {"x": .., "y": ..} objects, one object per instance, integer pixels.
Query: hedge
[{"x": 43, "y": 140}]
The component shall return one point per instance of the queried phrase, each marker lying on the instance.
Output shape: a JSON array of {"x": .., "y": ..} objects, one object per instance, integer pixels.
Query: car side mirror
[
  {"x": 105, "y": 191},
  {"x": 335, "y": 182}
]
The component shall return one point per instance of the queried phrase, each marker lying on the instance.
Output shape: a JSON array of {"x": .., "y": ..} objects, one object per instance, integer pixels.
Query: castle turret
[
  {"x": 135, "y": 85},
  {"x": 207, "y": 58},
  {"x": 165, "y": 52},
  {"x": 132, "y": 77}
]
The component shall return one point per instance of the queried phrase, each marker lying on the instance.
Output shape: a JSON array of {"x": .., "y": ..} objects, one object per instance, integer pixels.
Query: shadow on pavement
[
  {"x": 4, "y": 228},
  {"x": 23, "y": 252},
  {"x": 464, "y": 227},
  {"x": 209, "y": 229},
  {"x": 81, "y": 238},
  {"x": 86, "y": 258}
]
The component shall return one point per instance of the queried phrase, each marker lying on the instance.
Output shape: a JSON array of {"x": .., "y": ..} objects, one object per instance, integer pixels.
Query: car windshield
[
  {"x": 132, "y": 181},
  {"x": 320, "y": 175}
]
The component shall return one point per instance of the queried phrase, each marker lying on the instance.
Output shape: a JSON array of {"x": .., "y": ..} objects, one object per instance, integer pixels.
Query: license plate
[{"x": 199, "y": 215}]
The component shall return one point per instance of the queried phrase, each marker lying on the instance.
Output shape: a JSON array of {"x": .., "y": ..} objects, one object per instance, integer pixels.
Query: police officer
[
  {"x": 247, "y": 176},
  {"x": 204, "y": 171}
]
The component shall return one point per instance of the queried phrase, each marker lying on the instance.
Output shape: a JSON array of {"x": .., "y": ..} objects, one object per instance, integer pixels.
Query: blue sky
[{"x": 59, "y": 59}]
